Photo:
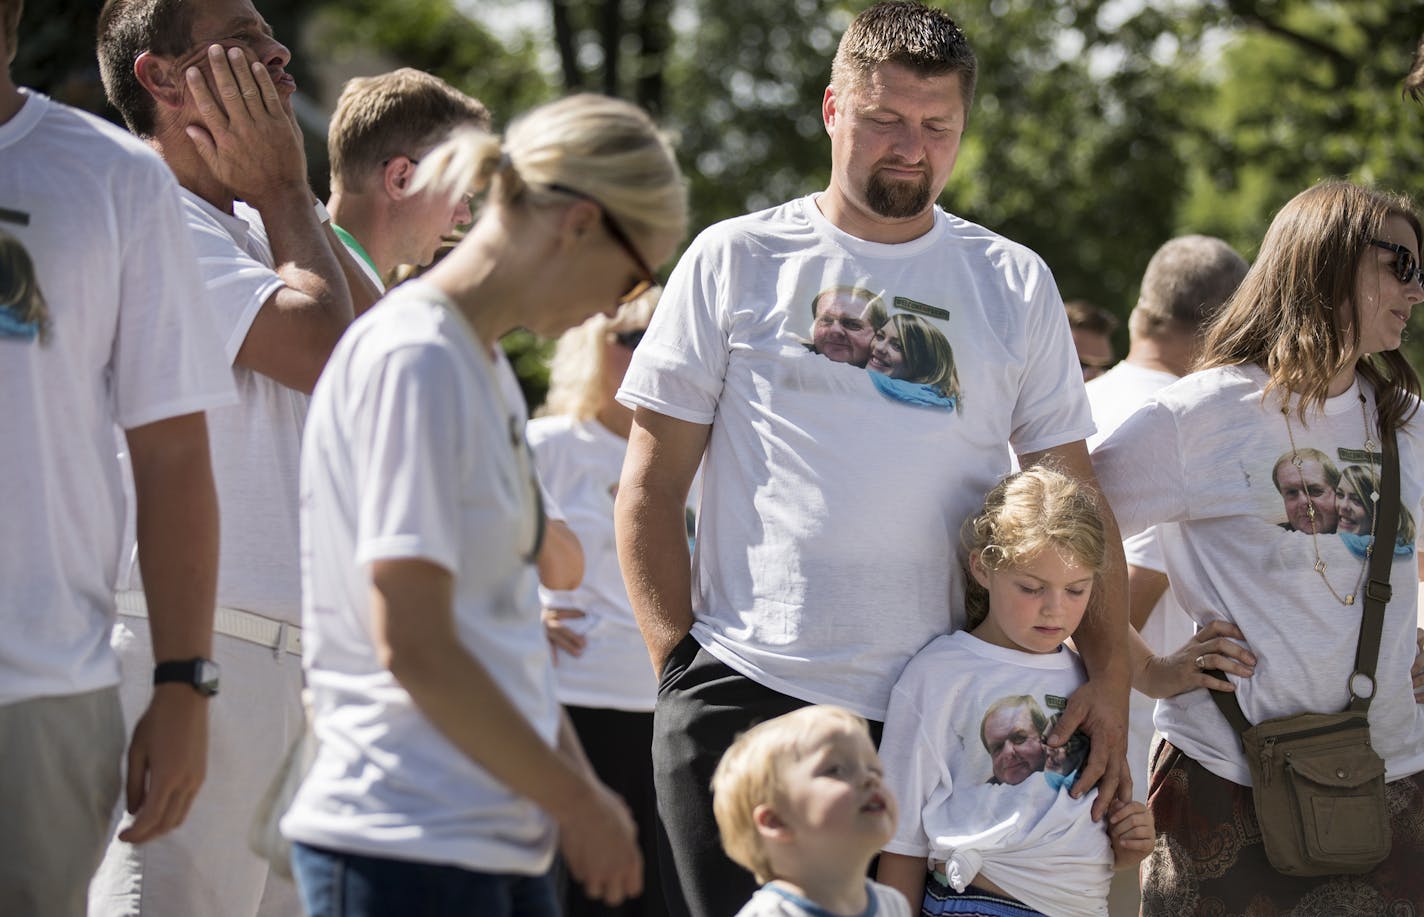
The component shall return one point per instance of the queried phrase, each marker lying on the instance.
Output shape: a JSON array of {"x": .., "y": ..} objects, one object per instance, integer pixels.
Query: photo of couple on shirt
[
  {"x": 1321, "y": 498},
  {"x": 1014, "y": 732},
  {"x": 908, "y": 358}
]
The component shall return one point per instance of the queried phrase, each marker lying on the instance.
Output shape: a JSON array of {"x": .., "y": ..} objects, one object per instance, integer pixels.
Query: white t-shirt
[
  {"x": 826, "y": 554},
  {"x": 1115, "y": 396},
  {"x": 256, "y": 443},
  {"x": 775, "y": 900},
  {"x": 579, "y": 463},
  {"x": 104, "y": 232},
  {"x": 1016, "y": 825},
  {"x": 408, "y": 455},
  {"x": 1202, "y": 455}
]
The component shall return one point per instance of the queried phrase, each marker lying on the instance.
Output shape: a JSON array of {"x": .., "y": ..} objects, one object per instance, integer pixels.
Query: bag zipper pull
[{"x": 1268, "y": 751}]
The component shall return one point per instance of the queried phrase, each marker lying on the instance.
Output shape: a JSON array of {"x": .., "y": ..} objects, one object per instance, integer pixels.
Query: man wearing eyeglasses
[
  {"x": 826, "y": 551},
  {"x": 205, "y": 84},
  {"x": 381, "y": 128}
]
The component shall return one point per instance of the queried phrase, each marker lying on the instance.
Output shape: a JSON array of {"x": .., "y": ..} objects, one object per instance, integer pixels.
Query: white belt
[{"x": 232, "y": 622}]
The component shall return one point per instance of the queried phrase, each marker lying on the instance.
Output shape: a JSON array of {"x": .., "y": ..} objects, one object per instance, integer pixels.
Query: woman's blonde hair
[
  {"x": 1025, "y": 513},
  {"x": 1283, "y": 318},
  {"x": 576, "y": 372},
  {"x": 751, "y": 774},
  {"x": 594, "y": 146}
]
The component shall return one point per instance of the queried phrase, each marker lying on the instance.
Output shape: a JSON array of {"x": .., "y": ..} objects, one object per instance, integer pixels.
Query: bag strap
[
  {"x": 1377, "y": 594},
  {"x": 1377, "y": 588}
]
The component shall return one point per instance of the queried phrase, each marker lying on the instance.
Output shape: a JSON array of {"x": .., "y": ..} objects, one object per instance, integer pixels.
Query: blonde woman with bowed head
[
  {"x": 1303, "y": 361},
  {"x": 446, "y": 775},
  {"x": 601, "y": 667}
]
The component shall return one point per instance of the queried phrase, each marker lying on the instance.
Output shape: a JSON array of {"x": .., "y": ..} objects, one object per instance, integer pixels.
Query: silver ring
[{"x": 1201, "y": 663}]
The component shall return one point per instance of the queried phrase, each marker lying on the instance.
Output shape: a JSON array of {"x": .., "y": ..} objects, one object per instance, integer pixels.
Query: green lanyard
[{"x": 355, "y": 246}]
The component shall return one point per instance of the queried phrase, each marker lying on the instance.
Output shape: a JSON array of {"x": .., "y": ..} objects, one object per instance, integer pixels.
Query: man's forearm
[
  {"x": 657, "y": 569},
  {"x": 303, "y": 254},
  {"x": 1102, "y": 637},
  {"x": 177, "y": 526}
]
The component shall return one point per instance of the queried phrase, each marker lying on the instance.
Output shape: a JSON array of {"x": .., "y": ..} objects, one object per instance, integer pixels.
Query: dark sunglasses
[
  {"x": 630, "y": 339},
  {"x": 649, "y": 279},
  {"x": 1405, "y": 268}
]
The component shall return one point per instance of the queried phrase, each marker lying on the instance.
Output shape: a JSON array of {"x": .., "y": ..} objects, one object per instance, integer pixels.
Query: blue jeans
[{"x": 337, "y": 884}]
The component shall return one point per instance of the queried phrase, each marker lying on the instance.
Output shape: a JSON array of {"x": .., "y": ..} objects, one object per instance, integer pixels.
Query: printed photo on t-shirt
[
  {"x": 1325, "y": 495},
  {"x": 24, "y": 314},
  {"x": 1014, "y": 734},
  {"x": 907, "y": 355}
]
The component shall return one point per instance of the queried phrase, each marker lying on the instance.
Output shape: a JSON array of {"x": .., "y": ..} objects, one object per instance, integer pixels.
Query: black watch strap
[{"x": 201, "y": 674}]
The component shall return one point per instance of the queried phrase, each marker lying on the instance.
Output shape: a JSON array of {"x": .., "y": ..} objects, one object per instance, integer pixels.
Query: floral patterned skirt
[{"x": 1209, "y": 859}]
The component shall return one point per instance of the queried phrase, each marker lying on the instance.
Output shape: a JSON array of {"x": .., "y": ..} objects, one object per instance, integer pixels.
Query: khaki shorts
[{"x": 59, "y": 782}]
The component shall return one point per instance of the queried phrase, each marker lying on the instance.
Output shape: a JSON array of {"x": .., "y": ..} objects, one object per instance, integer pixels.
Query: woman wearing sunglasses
[
  {"x": 605, "y": 678},
  {"x": 445, "y": 774},
  {"x": 1303, "y": 360}
]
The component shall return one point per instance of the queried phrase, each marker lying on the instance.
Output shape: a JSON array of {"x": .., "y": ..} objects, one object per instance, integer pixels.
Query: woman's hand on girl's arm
[
  {"x": 1215, "y": 646},
  {"x": 1132, "y": 831}
]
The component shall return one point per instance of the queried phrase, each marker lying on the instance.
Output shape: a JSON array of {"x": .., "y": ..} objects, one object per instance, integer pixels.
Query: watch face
[{"x": 206, "y": 680}]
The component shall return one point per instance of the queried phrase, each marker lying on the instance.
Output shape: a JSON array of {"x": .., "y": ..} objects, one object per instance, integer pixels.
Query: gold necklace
[{"x": 1297, "y": 462}]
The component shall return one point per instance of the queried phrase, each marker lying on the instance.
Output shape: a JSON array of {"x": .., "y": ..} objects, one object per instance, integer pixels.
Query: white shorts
[{"x": 204, "y": 868}]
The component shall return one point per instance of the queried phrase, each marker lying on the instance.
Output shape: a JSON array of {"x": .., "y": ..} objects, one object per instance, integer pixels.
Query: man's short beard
[{"x": 898, "y": 199}]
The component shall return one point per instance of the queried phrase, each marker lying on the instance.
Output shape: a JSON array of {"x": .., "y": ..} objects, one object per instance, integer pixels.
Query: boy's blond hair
[{"x": 750, "y": 774}]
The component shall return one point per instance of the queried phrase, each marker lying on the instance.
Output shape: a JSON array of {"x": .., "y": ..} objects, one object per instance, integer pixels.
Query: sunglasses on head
[
  {"x": 1406, "y": 269},
  {"x": 630, "y": 339}
]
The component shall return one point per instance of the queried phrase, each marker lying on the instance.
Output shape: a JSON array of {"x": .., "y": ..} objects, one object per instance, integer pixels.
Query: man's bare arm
[
  {"x": 649, "y": 518},
  {"x": 1100, "y": 706},
  {"x": 177, "y": 519}
]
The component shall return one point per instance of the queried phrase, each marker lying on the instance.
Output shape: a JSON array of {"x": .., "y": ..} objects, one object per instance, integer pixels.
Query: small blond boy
[{"x": 799, "y": 802}]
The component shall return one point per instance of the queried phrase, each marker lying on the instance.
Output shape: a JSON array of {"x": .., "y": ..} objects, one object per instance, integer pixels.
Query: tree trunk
[
  {"x": 654, "y": 36},
  {"x": 564, "y": 41},
  {"x": 611, "y": 33}
]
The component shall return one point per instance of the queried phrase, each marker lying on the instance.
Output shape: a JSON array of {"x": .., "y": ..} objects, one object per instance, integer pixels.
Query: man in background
[
  {"x": 1092, "y": 328},
  {"x": 383, "y": 126}
]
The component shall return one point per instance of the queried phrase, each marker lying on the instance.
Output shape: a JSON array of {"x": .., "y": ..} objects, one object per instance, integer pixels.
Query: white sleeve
[
  {"x": 237, "y": 284},
  {"x": 679, "y": 365},
  {"x": 1141, "y": 472},
  {"x": 913, "y": 769},
  {"x": 166, "y": 358},
  {"x": 1052, "y": 407},
  {"x": 1145, "y": 550},
  {"x": 409, "y": 461}
]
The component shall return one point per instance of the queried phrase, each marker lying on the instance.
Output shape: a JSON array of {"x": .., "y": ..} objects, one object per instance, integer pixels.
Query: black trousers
[
  {"x": 702, "y": 706},
  {"x": 619, "y": 745}
]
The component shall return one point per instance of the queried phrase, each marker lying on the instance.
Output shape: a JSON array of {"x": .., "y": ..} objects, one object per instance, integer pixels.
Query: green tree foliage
[
  {"x": 433, "y": 35},
  {"x": 1101, "y": 127}
]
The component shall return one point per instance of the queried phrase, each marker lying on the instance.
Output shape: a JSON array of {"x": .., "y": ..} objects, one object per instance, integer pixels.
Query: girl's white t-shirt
[
  {"x": 1016, "y": 826},
  {"x": 1204, "y": 454},
  {"x": 409, "y": 453}
]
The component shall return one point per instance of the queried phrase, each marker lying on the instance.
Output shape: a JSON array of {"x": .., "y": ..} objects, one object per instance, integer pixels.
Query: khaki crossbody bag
[{"x": 1318, "y": 784}]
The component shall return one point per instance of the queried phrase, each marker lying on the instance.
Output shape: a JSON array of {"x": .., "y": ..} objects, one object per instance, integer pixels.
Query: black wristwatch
[{"x": 201, "y": 673}]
